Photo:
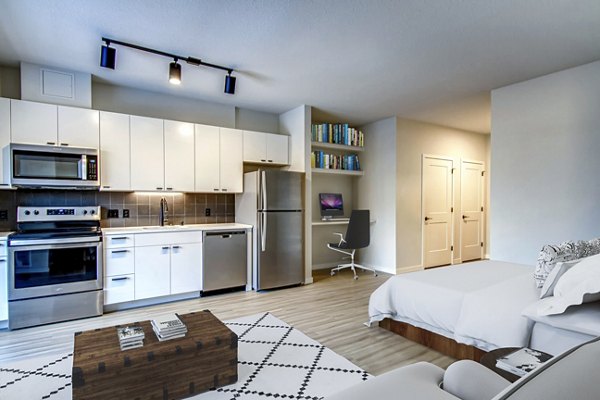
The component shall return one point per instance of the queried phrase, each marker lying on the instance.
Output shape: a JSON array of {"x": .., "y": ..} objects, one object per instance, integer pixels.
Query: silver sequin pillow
[{"x": 566, "y": 251}]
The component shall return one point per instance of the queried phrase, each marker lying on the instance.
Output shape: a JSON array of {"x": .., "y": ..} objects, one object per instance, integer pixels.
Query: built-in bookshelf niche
[{"x": 335, "y": 149}]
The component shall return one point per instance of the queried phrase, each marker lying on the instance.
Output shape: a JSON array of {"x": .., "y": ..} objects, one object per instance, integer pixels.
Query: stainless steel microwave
[{"x": 42, "y": 166}]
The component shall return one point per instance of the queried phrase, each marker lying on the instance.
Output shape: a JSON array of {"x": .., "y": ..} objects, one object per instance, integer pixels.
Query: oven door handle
[{"x": 42, "y": 242}]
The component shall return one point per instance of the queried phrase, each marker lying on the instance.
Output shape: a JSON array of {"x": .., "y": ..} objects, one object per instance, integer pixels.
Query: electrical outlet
[
  {"x": 207, "y": 212},
  {"x": 113, "y": 213},
  {"x": 3, "y": 215},
  {"x": 125, "y": 213}
]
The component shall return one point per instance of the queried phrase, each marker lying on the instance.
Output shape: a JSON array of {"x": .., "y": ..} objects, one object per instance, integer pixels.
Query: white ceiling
[{"x": 356, "y": 60}]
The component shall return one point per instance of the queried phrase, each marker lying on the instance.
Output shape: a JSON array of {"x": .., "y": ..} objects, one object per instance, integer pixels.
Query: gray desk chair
[{"x": 357, "y": 237}]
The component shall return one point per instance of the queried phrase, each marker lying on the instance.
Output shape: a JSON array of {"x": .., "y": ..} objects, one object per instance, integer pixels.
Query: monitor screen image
[{"x": 332, "y": 204}]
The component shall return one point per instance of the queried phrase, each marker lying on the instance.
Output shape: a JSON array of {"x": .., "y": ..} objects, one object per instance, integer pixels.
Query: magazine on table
[{"x": 522, "y": 361}]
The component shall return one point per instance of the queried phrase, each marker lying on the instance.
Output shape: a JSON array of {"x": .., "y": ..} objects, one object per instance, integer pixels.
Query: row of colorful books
[
  {"x": 319, "y": 159},
  {"x": 337, "y": 134}
]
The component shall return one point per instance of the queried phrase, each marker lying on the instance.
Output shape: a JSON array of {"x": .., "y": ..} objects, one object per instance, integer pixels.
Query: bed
[{"x": 476, "y": 306}]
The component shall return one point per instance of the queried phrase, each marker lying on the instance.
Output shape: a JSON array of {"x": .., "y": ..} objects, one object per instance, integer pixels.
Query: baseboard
[
  {"x": 323, "y": 266},
  {"x": 150, "y": 302},
  {"x": 308, "y": 281},
  {"x": 457, "y": 261},
  {"x": 486, "y": 256},
  {"x": 412, "y": 268}
]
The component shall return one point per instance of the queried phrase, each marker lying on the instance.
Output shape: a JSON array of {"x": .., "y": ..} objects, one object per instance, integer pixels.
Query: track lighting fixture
[
  {"x": 175, "y": 73},
  {"x": 108, "y": 58},
  {"x": 229, "y": 83}
]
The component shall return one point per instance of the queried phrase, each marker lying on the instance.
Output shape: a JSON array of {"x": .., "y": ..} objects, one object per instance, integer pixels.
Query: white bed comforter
[{"x": 478, "y": 303}]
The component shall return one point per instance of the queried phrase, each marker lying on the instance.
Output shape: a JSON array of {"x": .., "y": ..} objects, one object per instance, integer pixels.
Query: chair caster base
[
  {"x": 355, "y": 277},
  {"x": 332, "y": 273}
]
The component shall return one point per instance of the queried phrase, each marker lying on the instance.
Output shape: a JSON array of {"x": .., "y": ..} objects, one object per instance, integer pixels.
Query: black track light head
[
  {"x": 174, "y": 73},
  {"x": 108, "y": 56},
  {"x": 229, "y": 84}
]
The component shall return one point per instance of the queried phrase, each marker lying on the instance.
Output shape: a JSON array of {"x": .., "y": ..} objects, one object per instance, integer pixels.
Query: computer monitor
[{"x": 332, "y": 205}]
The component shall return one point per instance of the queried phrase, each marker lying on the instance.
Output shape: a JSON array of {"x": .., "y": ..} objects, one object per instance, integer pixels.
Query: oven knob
[
  {"x": 36, "y": 212},
  {"x": 92, "y": 212},
  {"x": 84, "y": 212},
  {"x": 27, "y": 212}
]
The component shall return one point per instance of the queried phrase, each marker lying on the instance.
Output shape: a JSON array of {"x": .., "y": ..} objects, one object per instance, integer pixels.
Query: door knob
[
  {"x": 465, "y": 217},
  {"x": 427, "y": 219}
]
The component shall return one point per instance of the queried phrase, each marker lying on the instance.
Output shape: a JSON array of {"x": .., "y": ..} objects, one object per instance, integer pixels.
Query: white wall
[
  {"x": 414, "y": 140},
  {"x": 376, "y": 191},
  {"x": 545, "y": 185},
  {"x": 10, "y": 82},
  {"x": 251, "y": 120},
  {"x": 151, "y": 104},
  {"x": 296, "y": 123}
]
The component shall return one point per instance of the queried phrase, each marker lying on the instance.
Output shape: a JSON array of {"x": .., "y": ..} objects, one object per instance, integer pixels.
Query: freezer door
[
  {"x": 280, "y": 254},
  {"x": 280, "y": 190}
]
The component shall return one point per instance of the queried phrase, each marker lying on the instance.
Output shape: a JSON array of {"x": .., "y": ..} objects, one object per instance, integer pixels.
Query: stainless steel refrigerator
[{"x": 272, "y": 204}]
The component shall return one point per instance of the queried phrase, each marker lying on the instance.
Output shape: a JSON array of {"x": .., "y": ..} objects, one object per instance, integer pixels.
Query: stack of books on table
[
  {"x": 131, "y": 337},
  {"x": 522, "y": 361},
  {"x": 168, "y": 327}
]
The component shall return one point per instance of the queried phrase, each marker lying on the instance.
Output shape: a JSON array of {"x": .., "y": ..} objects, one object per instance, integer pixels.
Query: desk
[{"x": 337, "y": 221}]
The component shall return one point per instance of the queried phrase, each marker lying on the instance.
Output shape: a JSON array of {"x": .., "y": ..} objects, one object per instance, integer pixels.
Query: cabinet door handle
[
  {"x": 270, "y": 160},
  {"x": 159, "y": 188},
  {"x": 165, "y": 247},
  {"x": 64, "y": 144},
  {"x": 263, "y": 160},
  {"x": 119, "y": 251},
  {"x": 2, "y": 261},
  {"x": 216, "y": 190},
  {"x": 169, "y": 188},
  {"x": 51, "y": 143},
  {"x": 123, "y": 278},
  {"x": 176, "y": 247},
  {"x": 106, "y": 187},
  {"x": 224, "y": 190},
  {"x": 119, "y": 238}
]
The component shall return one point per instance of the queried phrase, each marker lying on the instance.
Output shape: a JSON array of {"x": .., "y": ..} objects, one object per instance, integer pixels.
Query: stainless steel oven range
[{"x": 54, "y": 265}]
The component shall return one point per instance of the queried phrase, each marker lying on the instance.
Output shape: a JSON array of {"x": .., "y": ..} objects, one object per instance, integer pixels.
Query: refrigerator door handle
[
  {"x": 263, "y": 231},
  {"x": 263, "y": 183}
]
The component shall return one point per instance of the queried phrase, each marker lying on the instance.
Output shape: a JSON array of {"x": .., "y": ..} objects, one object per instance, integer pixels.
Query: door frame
[
  {"x": 447, "y": 158},
  {"x": 484, "y": 212}
]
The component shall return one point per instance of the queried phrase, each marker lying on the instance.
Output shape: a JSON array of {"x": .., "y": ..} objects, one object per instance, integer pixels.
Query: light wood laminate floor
[{"x": 332, "y": 311}]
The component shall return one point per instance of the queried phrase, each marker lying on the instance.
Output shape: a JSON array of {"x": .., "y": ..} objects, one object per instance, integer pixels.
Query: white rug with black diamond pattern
[{"x": 275, "y": 360}]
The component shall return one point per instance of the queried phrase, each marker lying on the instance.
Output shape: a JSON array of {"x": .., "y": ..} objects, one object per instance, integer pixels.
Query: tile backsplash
[{"x": 187, "y": 208}]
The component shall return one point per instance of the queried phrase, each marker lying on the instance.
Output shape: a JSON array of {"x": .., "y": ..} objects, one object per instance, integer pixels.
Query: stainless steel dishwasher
[{"x": 224, "y": 260}]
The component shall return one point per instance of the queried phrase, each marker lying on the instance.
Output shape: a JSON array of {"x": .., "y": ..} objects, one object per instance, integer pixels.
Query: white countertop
[{"x": 174, "y": 228}]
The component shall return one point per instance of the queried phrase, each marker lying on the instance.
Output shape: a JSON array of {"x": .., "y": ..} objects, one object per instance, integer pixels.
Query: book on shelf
[
  {"x": 337, "y": 134},
  {"x": 522, "y": 361},
  {"x": 320, "y": 159},
  {"x": 168, "y": 327}
]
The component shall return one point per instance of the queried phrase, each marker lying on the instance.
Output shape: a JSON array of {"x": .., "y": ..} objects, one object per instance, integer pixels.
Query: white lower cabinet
[
  {"x": 3, "y": 282},
  {"x": 152, "y": 271},
  {"x": 119, "y": 289},
  {"x": 186, "y": 275},
  {"x": 147, "y": 265}
]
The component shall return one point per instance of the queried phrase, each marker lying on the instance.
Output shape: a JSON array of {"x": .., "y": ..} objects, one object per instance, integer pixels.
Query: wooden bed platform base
[{"x": 433, "y": 340}]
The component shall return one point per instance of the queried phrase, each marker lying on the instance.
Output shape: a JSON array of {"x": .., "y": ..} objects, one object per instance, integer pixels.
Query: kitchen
[{"x": 198, "y": 200}]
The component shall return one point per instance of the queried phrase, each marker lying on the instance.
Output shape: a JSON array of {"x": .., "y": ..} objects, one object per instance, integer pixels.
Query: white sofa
[{"x": 574, "y": 375}]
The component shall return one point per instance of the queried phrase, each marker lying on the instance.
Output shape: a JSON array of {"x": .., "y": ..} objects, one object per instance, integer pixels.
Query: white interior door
[
  {"x": 471, "y": 223},
  {"x": 437, "y": 195}
]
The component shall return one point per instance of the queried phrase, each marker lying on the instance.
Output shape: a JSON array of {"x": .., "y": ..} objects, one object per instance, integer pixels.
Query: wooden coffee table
[{"x": 204, "y": 359}]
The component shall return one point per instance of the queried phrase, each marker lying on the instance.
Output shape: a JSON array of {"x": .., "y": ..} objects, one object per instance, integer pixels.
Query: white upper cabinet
[
  {"x": 255, "y": 149},
  {"x": 179, "y": 156},
  {"x": 4, "y": 132},
  {"x": 115, "y": 155},
  {"x": 261, "y": 147},
  {"x": 33, "y": 123},
  {"x": 208, "y": 158},
  {"x": 78, "y": 127},
  {"x": 277, "y": 148},
  {"x": 147, "y": 154},
  {"x": 232, "y": 163}
]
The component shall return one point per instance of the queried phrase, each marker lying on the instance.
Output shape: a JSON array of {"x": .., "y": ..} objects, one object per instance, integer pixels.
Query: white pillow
[
  {"x": 580, "y": 284},
  {"x": 554, "y": 275}
]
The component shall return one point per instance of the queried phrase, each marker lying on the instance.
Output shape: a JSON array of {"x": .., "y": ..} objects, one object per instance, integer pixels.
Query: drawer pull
[
  {"x": 51, "y": 143},
  {"x": 123, "y": 278},
  {"x": 216, "y": 190},
  {"x": 106, "y": 186},
  {"x": 119, "y": 238},
  {"x": 165, "y": 248},
  {"x": 169, "y": 188},
  {"x": 2, "y": 260},
  {"x": 176, "y": 247},
  {"x": 119, "y": 251},
  {"x": 224, "y": 190},
  {"x": 263, "y": 160},
  {"x": 159, "y": 188},
  {"x": 64, "y": 144},
  {"x": 270, "y": 160}
]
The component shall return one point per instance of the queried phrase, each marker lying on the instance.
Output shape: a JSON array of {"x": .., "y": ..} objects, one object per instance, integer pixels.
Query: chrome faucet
[{"x": 163, "y": 215}]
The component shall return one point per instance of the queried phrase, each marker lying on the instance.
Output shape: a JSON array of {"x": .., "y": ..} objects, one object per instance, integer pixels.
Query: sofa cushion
[
  {"x": 469, "y": 380},
  {"x": 418, "y": 381}
]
